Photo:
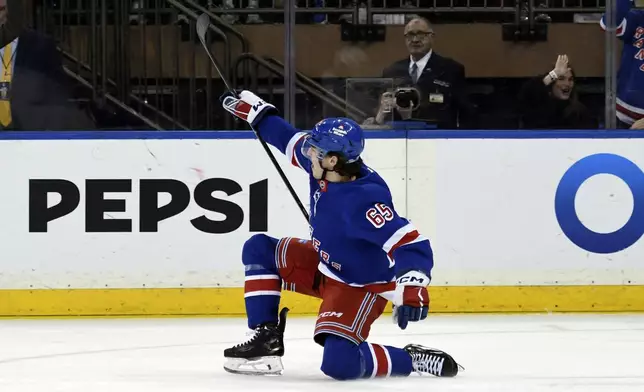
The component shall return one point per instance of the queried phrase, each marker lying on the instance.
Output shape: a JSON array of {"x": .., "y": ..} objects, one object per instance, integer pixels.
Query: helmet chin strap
[{"x": 324, "y": 170}]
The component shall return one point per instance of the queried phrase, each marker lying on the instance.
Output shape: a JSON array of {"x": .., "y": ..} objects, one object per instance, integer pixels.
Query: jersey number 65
[{"x": 379, "y": 215}]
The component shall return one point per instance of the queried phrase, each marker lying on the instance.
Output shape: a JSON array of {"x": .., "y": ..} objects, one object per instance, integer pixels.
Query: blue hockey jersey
[
  {"x": 359, "y": 237},
  {"x": 630, "y": 75}
]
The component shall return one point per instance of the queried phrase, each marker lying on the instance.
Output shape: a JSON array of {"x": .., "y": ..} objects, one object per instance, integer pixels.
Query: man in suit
[
  {"x": 33, "y": 92},
  {"x": 440, "y": 80}
]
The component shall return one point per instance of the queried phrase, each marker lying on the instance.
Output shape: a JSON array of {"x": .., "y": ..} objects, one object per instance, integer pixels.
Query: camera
[{"x": 407, "y": 97}]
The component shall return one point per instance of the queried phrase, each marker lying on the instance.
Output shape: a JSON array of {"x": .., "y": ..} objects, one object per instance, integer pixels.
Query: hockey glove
[
  {"x": 411, "y": 299},
  {"x": 246, "y": 106}
]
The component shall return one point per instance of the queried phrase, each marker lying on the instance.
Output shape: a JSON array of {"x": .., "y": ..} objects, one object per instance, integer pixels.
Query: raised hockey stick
[{"x": 203, "y": 22}]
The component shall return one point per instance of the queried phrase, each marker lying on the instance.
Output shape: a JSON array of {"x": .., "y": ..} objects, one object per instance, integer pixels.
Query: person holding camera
[
  {"x": 439, "y": 81},
  {"x": 397, "y": 105}
]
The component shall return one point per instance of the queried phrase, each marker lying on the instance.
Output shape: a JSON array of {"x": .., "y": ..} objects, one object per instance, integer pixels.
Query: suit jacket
[
  {"x": 442, "y": 89},
  {"x": 40, "y": 94}
]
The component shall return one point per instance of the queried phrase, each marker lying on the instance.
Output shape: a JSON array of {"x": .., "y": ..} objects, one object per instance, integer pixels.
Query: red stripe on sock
[
  {"x": 262, "y": 285},
  {"x": 381, "y": 360}
]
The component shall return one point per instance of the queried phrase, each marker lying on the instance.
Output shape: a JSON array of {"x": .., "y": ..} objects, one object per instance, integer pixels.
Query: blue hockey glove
[
  {"x": 246, "y": 106},
  {"x": 411, "y": 299}
]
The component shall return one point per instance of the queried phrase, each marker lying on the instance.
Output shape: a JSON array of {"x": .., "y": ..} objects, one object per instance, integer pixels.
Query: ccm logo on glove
[
  {"x": 411, "y": 299},
  {"x": 413, "y": 280}
]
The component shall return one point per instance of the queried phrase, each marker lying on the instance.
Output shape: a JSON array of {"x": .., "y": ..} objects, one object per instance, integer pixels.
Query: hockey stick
[{"x": 203, "y": 22}]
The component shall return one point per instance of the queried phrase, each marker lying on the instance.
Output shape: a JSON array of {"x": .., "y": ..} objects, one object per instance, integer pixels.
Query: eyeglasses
[{"x": 419, "y": 34}]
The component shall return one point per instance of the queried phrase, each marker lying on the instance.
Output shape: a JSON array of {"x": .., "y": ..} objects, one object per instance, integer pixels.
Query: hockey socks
[
  {"x": 385, "y": 361},
  {"x": 262, "y": 285},
  {"x": 343, "y": 360},
  {"x": 262, "y": 298}
]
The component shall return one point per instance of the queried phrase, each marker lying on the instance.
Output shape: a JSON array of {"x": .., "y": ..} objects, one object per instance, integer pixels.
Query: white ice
[{"x": 500, "y": 353}]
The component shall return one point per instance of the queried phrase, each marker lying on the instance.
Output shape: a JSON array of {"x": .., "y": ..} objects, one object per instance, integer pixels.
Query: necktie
[
  {"x": 5, "y": 107},
  {"x": 414, "y": 72}
]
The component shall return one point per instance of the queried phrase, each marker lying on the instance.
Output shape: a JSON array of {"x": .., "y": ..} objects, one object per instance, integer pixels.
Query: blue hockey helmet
[{"x": 338, "y": 134}]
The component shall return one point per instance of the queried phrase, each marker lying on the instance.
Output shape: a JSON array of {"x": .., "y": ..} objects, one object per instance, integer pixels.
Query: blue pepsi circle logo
[{"x": 566, "y": 214}]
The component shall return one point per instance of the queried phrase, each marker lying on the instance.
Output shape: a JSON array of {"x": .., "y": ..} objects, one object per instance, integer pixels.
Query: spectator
[
  {"x": 550, "y": 101},
  {"x": 32, "y": 93},
  {"x": 630, "y": 76},
  {"x": 391, "y": 109},
  {"x": 440, "y": 80}
]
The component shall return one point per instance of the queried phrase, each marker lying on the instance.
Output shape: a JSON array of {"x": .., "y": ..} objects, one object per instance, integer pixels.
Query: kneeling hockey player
[{"x": 356, "y": 235}]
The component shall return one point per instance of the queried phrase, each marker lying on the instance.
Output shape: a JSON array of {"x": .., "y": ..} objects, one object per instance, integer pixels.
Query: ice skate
[
  {"x": 261, "y": 355},
  {"x": 432, "y": 361}
]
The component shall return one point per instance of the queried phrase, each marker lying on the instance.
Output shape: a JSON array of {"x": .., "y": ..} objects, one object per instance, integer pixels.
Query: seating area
[{"x": 139, "y": 62}]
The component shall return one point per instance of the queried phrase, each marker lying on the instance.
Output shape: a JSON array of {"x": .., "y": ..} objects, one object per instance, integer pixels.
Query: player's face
[
  {"x": 316, "y": 168},
  {"x": 319, "y": 165}
]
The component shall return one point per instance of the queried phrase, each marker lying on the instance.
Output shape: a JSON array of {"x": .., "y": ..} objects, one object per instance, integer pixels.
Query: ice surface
[{"x": 500, "y": 353}]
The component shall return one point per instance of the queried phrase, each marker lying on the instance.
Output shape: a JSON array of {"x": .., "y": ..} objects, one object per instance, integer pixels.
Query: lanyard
[{"x": 6, "y": 66}]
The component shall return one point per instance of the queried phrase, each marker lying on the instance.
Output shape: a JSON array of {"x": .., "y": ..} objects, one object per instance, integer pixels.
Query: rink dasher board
[{"x": 486, "y": 199}]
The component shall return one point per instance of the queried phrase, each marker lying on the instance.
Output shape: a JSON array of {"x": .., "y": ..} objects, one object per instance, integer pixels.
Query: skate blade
[{"x": 263, "y": 366}]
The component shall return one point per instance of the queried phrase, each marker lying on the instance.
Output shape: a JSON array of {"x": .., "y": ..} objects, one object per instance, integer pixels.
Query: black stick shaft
[{"x": 259, "y": 137}]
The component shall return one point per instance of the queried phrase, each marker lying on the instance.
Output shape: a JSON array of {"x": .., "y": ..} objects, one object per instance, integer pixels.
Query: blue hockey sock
[
  {"x": 343, "y": 360},
  {"x": 385, "y": 361},
  {"x": 262, "y": 286}
]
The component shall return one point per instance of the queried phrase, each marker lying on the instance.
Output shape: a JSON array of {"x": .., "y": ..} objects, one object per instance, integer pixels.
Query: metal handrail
[
  {"x": 306, "y": 88},
  {"x": 112, "y": 83},
  {"x": 378, "y": 10},
  {"x": 214, "y": 11},
  {"x": 114, "y": 100},
  {"x": 569, "y": 9},
  {"x": 320, "y": 88}
]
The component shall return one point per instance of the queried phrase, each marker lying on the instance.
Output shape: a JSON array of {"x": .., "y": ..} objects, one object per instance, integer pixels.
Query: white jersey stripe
[
  {"x": 619, "y": 31},
  {"x": 290, "y": 149},
  {"x": 624, "y": 117},
  {"x": 397, "y": 236}
]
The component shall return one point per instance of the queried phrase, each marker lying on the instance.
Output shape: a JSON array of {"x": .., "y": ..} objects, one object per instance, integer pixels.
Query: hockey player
[
  {"x": 356, "y": 235},
  {"x": 630, "y": 76}
]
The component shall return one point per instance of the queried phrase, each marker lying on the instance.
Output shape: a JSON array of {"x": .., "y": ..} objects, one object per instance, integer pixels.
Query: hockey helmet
[{"x": 338, "y": 134}]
